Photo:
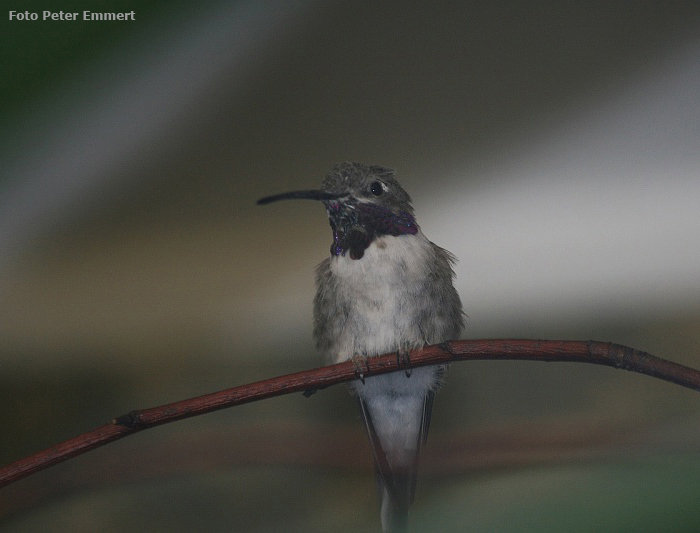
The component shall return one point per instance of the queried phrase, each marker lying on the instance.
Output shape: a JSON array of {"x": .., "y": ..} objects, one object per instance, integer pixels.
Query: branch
[{"x": 309, "y": 381}]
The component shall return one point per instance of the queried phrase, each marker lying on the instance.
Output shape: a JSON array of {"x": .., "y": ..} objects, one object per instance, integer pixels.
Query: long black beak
[{"x": 307, "y": 195}]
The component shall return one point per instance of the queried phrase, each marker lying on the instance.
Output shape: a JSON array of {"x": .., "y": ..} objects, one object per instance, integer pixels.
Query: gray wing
[
  {"x": 443, "y": 319},
  {"x": 330, "y": 313}
]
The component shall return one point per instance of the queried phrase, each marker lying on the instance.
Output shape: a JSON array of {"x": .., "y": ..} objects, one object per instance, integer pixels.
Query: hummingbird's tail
[
  {"x": 394, "y": 516},
  {"x": 397, "y": 424}
]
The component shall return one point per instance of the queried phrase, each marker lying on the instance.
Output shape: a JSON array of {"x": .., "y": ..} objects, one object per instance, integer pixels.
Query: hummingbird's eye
[{"x": 376, "y": 188}]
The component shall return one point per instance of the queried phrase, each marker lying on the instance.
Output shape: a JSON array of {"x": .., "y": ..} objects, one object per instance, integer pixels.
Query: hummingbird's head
[{"x": 363, "y": 202}]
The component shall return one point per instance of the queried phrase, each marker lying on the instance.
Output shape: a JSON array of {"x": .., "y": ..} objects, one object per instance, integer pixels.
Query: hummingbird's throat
[{"x": 356, "y": 225}]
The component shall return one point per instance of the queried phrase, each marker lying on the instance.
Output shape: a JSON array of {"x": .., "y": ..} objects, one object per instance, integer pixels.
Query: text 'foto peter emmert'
[{"x": 60, "y": 15}]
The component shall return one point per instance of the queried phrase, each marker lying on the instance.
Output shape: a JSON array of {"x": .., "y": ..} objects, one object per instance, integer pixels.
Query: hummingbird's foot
[
  {"x": 403, "y": 360},
  {"x": 361, "y": 364}
]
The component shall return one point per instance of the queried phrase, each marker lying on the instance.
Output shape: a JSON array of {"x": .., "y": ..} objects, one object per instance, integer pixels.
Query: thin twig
[{"x": 309, "y": 381}]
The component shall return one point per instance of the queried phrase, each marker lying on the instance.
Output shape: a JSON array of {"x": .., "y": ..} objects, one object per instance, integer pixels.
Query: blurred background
[{"x": 552, "y": 146}]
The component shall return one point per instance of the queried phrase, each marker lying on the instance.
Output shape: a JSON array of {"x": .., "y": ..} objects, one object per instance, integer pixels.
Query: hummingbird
[{"x": 385, "y": 288}]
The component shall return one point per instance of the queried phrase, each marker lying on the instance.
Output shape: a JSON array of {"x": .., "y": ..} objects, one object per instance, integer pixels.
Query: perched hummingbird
[{"x": 385, "y": 288}]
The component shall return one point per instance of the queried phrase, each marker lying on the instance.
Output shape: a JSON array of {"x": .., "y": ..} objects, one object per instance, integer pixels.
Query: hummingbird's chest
[
  {"x": 379, "y": 297},
  {"x": 391, "y": 268}
]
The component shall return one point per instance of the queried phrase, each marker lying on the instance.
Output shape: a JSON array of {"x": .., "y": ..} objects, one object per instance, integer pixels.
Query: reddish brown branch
[{"x": 600, "y": 353}]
